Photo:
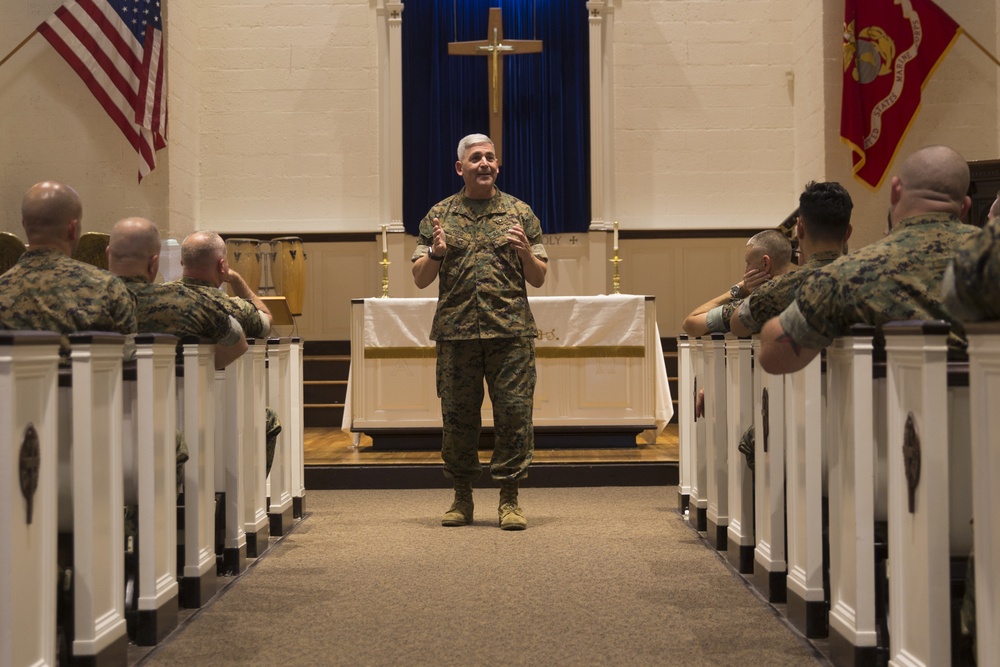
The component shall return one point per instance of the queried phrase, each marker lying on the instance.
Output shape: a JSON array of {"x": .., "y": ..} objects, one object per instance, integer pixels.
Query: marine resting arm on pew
[{"x": 779, "y": 351}]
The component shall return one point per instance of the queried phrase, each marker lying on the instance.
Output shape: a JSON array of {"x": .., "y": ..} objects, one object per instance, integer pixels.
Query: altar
[{"x": 601, "y": 376}]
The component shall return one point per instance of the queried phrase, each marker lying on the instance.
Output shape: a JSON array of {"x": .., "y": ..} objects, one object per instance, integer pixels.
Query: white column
[
  {"x": 295, "y": 423},
  {"x": 716, "y": 420},
  {"x": 698, "y": 502},
  {"x": 280, "y": 508},
  {"x": 601, "y": 27},
  {"x": 255, "y": 521},
  {"x": 685, "y": 420}
]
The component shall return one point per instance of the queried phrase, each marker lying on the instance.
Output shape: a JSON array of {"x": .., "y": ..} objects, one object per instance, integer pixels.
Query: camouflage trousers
[
  {"x": 508, "y": 367},
  {"x": 272, "y": 427}
]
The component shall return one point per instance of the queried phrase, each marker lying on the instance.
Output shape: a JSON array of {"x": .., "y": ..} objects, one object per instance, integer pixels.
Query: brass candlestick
[
  {"x": 616, "y": 281},
  {"x": 385, "y": 274}
]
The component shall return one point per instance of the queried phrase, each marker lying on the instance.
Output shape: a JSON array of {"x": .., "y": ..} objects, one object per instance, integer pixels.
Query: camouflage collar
[
  {"x": 926, "y": 219},
  {"x": 824, "y": 257}
]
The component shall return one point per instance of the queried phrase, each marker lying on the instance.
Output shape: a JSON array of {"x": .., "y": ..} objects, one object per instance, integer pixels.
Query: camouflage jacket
[
  {"x": 175, "y": 309},
  {"x": 242, "y": 310},
  {"x": 977, "y": 274},
  {"x": 895, "y": 278},
  {"x": 769, "y": 299},
  {"x": 48, "y": 291},
  {"x": 481, "y": 292}
]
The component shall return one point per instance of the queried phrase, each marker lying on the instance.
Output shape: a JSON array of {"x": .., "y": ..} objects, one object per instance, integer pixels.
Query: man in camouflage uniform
[
  {"x": 768, "y": 254},
  {"x": 47, "y": 289},
  {"x": 823, "y": 226},
  {"x": 172, "y": 308},
  {"x": 896, "y": 278},
  {"x": 205, "y": 268},
  {"x": 972, "y": 282},
  {"x": 483, "y": 245}
]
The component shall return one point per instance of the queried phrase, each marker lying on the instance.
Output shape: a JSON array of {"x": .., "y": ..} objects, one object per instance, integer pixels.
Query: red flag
[
  {"x": 116, "y": 46},
  {"x": 891, "y": 49}
]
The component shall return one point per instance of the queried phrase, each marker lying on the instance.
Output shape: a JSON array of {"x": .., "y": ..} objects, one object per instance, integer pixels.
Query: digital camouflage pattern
[
  {"x": 172, "y": 308},
  {"x": 244, "y": 311},
  {"x": 773, "y": 296},
  {"x": 977, "y": 272},
  {"x": 481, "y": 288},
  {"x": 272, "y": 427},
  {"x": 48, "y": 291},
  {"x": 509, "y": 367},
  {"x": 896, "y": 278}
]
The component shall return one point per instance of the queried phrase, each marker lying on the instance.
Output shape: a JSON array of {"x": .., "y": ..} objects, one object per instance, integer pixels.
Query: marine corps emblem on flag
[{"x": 891, "y": 49}]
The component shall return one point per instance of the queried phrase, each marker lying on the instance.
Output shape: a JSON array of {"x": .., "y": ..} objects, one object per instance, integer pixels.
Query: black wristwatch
[
  {"x": 436, "y": 258},
  {"x": 735, "y": 291}
]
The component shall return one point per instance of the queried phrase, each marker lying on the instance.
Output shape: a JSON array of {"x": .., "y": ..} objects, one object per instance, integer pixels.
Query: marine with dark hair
[
  {"x": 972, "y": 282},
  {"x": 895, "y": 278},
  {"x": 823, "y": 226}
]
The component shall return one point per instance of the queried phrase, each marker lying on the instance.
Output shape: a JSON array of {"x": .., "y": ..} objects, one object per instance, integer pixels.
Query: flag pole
[
  {"x": 35, "y": 32},
  {"x": 964, "y": 32}
]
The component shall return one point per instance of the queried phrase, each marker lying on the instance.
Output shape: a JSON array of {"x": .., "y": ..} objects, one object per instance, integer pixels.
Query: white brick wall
[{"x": 274, "y": 115}]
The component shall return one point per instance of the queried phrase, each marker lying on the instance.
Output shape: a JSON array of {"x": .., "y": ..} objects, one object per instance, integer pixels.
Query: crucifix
[{"x": 495, "y": 47}]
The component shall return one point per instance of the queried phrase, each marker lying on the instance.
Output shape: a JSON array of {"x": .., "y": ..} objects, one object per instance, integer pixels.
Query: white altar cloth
[{"x": 604, "y": 326}]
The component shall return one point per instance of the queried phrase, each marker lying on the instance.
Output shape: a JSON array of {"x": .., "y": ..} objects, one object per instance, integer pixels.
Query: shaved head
[
  {"x": 134, "y": 248},
  {"x": 936, "y": 173},
  {"x": 201, "y": 250},
  {"x": 47, "y": 210}
]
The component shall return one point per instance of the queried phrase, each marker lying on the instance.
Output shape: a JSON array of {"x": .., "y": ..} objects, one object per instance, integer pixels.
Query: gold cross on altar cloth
[{"x": 496, "y": 47}]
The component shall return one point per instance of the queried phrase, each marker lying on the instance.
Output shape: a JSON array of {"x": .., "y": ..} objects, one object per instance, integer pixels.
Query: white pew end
[
  {"x": 196, "y": 419},
  {"x": 90, "y": 459},
  {"x": 739, "y": 385},
  {"x": 806, "y": 597},
  {"x": 279, "y": 398},
  {"x": 296, "y": 426},
  {"x": 984, "y": 387},
  {"x": 770, "y": 566},
  {"x": 852, "y": 430},
  {"x": 717, "y": 450},
  {"x": 930, "y": 496},
  {"x": 28, "y": 526},
  {"x": 256, "y": 524},
  {"x": 231, "y": 398},
  {"x": 150, "y": 468},
  {"x": 698, "y": 500},
  {"x": 685, "y": 421}
]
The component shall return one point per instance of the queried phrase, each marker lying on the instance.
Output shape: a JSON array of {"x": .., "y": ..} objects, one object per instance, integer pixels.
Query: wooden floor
[{"x": 332, "y": 447}]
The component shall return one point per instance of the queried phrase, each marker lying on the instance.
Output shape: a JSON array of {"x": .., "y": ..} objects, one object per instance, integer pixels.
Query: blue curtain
[{"x": 546, "y": 154}]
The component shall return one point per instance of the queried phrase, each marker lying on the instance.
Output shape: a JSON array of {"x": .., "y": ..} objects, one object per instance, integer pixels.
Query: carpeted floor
[{"x": 602, "y": 576}]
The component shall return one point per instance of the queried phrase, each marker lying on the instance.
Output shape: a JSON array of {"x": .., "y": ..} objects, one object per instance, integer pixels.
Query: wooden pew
[
  {"x": 852, "y": 429},
  {"x": 984, "y": 387},
  {"x": 739, "y": 384},
  {"x": 150, "y": 475},
  {"x": 91, "y": 516},
  {"x": 28, "y": 524},
  {"x": 804, "y": 409},
  {"x": 770, "y": 567},
  {"x": 717, "y": 437},
  {"x": 295, "y": 423},
  {"x": 930, "y": 498},
  {"x": 685, "y": 421},
  {"x": 196, "y": 419},
  {"x": 256, "y": 524},
  {"x": 279, "y": 398}
]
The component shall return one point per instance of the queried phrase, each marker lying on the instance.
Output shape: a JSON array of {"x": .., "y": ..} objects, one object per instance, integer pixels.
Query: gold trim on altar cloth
[{"x": 580, "y": 352}]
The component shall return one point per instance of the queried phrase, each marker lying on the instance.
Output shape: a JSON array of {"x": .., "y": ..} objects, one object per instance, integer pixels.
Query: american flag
[{"x": 116, "y": 46}]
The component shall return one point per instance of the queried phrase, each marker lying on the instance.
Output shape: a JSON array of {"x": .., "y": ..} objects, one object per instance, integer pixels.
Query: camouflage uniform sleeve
[
  {"x": 230, "y": 331},
  {"x": 746, "y": 316},
  {"x": 799, "y": 330},
  {"x": 717, "y": 319},
  {"x": 426, "y": 230},
  {"x": 249, "y": 318},
  {"x": 976, "y": 274},
  {"x": 532, "y": 227}
]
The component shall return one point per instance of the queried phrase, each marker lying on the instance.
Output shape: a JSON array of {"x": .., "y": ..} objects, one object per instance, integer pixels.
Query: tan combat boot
[
  {"x": 460, "y": 513},
  {"x": 511, "y": 516}
]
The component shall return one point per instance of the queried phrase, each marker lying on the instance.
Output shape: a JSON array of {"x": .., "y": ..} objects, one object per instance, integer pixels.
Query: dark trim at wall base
[{"x": 625, "y": 234}]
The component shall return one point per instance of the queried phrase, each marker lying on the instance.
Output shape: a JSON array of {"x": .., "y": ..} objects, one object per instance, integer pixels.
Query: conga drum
[
  {"x": 288, "y": 270},
  {"x": 244, "y": 258}
]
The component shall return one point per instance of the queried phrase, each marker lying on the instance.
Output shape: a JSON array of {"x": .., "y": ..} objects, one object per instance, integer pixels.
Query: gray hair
[{"x": 472, "y": 140}]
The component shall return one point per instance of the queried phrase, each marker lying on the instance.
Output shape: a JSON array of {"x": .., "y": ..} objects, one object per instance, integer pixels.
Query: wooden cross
[{"x": 496, "y": 48}]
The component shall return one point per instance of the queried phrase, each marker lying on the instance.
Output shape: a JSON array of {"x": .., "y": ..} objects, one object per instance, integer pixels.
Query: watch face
[{"x": 735, "y": 291}]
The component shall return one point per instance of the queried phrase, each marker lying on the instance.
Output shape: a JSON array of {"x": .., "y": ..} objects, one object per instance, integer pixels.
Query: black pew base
[
  {"x": 843, "y": 652},
  {"x": 280, "y": 522},
  {"x": 772, "y": 585},
  {"x": 299, "y": 506},
  {"x": 809, "y": 616},
  {"x": 153, "y": 625},
  {"x": 114, "y": 654},
  {"x": 258, "y": 542},
  {"x": 717, "y": 535},
  {"x": 682, "y": 501},
  {"x": 741, "y": 557},
  {"x": 196, "y": 591}
]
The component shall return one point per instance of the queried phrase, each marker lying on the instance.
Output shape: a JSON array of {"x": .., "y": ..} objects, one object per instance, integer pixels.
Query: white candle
[
  {"x": 385, "y": 246},
  {"x": 616, "y": 235}
]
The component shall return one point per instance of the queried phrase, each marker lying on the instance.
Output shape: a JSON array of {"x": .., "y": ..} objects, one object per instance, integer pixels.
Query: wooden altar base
[{"x": 332, "y": 462}]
